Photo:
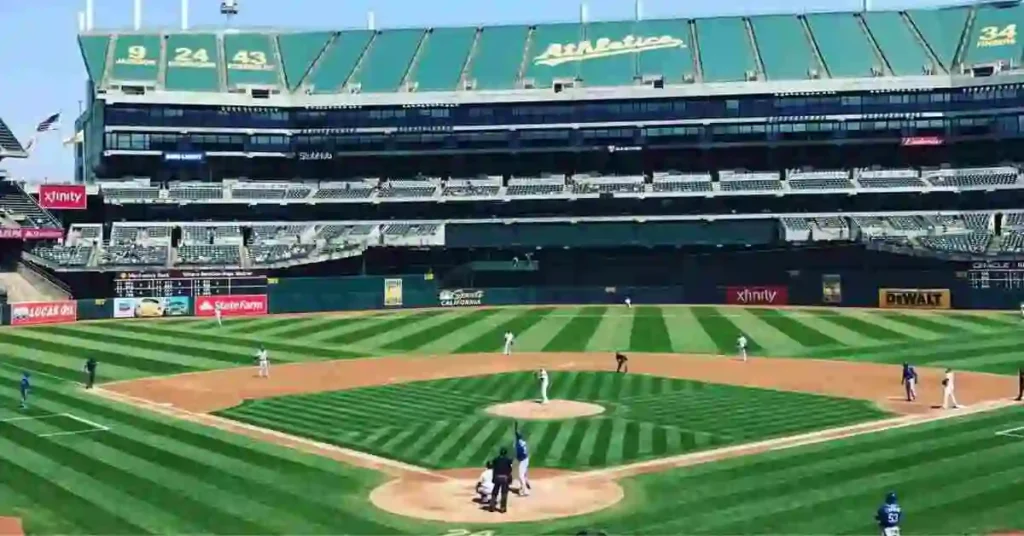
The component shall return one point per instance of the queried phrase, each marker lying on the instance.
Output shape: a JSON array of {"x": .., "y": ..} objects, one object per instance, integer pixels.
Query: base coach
[{"x": 502, "y": 478}]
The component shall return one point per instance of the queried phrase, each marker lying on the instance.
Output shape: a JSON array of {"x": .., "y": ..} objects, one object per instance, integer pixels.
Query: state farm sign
[
  {"x": 232, "y": 305},
  {"x": 63, "y": 196},
  {"x": 28, "y": 313},
  {"x": 757, "y": 295}
]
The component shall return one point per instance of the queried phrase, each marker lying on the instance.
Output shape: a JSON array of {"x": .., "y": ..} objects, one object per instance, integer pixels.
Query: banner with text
[
  {"x": 30, "y": 233},
  {"x": 913, "y": 298},
  {"x": 461, "y": 297},
  {"x": 30, "y": 313},
  {"x": 393, "y": 293},
  {"x": 768, "y": 295},
  {"x": 63, "y": 196},
  {"x": 151, "y": 307},
  {"x": 232, "y": 305}
]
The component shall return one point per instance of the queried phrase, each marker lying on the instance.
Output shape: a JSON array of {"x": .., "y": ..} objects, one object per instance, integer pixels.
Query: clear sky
[{"x": 42, "y": 69}]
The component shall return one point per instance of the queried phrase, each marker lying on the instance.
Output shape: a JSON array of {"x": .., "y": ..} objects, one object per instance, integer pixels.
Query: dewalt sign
[
  {"x": 913, "y": 298},
  {"x": 559, "y": 53}
]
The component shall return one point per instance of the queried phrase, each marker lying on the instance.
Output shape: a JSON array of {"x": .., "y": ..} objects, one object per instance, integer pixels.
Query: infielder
[
  {"x": 219, "y": 314},
  {"x": 948, "y": 391},
  {"x": 264, "y": 362},
  {"x": 741, "y": 343},
  {"x": 26, "y": 386},
  {"x": 510, "y": 339},
  {"x": 909, "y": 382},
  {"x": 542, "y": 375},
  {"x": 523, "y": 459},
  {"x": 485, "y": 485},
  {"x": 889, "y": 516}
]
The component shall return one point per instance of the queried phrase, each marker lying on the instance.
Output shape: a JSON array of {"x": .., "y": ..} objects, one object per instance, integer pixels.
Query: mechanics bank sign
[{"x": 559, "y": 53}]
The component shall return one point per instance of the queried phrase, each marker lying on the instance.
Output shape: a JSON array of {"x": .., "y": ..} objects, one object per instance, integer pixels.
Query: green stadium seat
[
  {"x": 675, "y": 62},
  {"x": 136, "y": 58},
  {"x": 785, "y": 51},
  {"x": 994, "y": 36},
  {"x": 252, "y": 59},
  {"x": 338, "y": 60},
  {"x": 725, "y": 52},
  {"x": 611, "y": 60},
  {"x": 942, "y": 30},
  {"x": 94, "y": 52},
  {"x": 553, "y": 54},
  {"x": 442, "y": 58},
  {"x": 844, "y": 45},
  {"x": 387, "y": 60},
  {"x": 903, "y": 51},
  {"x": 498, "y": 57},
  {"x": 193, "y": 62},
  {"x": 298, "y": 52}
]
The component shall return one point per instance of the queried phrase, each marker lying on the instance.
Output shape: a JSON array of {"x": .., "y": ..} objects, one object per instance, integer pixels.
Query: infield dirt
[{"x": 193, "y": 396}]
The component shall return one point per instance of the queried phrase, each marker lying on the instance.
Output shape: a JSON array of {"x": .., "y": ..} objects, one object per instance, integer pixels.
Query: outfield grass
[
  {"x": 151, "y": 475},
  {"x": 440, "y": 424}
]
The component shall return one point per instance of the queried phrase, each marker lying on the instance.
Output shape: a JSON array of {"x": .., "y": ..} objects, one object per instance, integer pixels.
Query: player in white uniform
[
  {"x": 741, "y": 343},
  {"x": 1022, "y": 309},
  {"x": 485, "y": 485},
  {"x": 510, "y": 339},
  {"x": 629, "y": 303},
  {"x": 542, "y": 375},
  {"x": 948, "y": 391},
  {"x": 264, "y": 362},
  {"x": 217, "y": 312}
]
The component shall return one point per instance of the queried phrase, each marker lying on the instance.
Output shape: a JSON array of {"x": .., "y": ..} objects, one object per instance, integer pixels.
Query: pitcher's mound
[
  {"x": 11, "y": 526},
  {"x": 554, "y": 409},
  {"x": 452, "y": 498}
]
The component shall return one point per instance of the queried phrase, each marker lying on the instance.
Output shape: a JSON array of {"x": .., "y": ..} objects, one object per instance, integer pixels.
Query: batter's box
[
  {"x": 1017, "y": 432},
  {"x": 52, "y": 425}
]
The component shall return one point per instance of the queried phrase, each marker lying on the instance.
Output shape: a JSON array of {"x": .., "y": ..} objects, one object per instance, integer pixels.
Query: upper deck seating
[
  {"x": 209, "y": 254},
  {"x": 973, "y": 177},
  {"x": 890, "y": 178},
  {"x": 133, "y": 254},
  {"x": 819, "y": 180}
]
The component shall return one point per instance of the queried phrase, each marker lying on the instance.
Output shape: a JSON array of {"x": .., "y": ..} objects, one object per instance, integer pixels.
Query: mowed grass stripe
[
  {"x": 38, "y": 340},
  {"x": 379, "y": 328},
  {"x": 865, "y": 328},
  {"x": 574, "y": 336},
  {"x": 920, "y": 322},
  {"x": 793, "y": 328},
  {"x": 992, "y": 322},
  {"x": 448, "y": 327},
  {"x": 721, "y": 330},
  {"x": 493, "y": 340},
  {"x": 249, "y": 345},
  {"x": 160, "y": 343},
  {"x": 648, "y": 333}
]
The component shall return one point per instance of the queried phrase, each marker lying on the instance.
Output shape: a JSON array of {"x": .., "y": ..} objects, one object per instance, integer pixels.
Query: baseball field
[{"x": 376, "y": 423}]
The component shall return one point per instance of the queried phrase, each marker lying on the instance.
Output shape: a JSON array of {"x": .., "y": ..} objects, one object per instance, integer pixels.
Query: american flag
[{"x": 50, "y": 123}]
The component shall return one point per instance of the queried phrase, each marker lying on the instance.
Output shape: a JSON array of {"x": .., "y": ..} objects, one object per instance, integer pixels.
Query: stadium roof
[
  {"x": 10, "y": 147},
  {"x": 772, "y": 48}
]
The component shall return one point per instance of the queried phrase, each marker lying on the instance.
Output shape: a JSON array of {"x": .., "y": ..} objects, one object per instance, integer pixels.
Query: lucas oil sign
[
  {"x": 913, "y": 298},
  {"x": 461, "y": 297}
]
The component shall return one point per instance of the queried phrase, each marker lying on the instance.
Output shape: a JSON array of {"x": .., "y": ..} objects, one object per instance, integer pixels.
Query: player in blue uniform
[
  {"x": 889, "y": 516},
  {"x": 910, "y": 382},
  {"x": 26, "y": 386}
]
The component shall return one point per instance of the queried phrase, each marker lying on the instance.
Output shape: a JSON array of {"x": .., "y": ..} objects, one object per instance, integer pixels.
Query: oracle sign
[
  {"x": 232, "y": 305},
  {"x": 28, "y": 313},
  {"x": 63, "y": 196},
  {"x": 757, "y": 295}
]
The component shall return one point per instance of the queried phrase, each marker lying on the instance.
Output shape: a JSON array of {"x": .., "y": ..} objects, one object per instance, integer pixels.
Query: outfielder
[
  {"x": 523, "y": 459},
  {"x": 542, "y": 375},
  {"x": 889, "y": 516},
  {"x": 25, "y": 387},
  {"x": 948, "y": 391},
  {"x": 741, "y": 343},
  {"x": 510, "y": 339},
  {"x": 219, "y": 314},
  {"x": 264, "y": 362},
  {"x": 629, "y": 303},
  {"x": 909, "y": 382}
]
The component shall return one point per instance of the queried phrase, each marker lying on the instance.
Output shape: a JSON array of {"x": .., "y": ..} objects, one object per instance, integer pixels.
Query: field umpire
[
  {"x": 502, "y": 478},
  {"x": 90, "y": 372}
]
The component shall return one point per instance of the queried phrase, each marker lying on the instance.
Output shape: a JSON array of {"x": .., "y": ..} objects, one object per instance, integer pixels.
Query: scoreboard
[
  {"x": 166, "y": 284},
  {"x": 996, "y": 274}
]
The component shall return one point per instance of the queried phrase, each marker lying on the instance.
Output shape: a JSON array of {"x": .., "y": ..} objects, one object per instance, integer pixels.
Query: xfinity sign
[{"x": 772, "y": 295}]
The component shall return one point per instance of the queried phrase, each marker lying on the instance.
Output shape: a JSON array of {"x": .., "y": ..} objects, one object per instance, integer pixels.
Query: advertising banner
[
  {"x": 831, "y": 289},
  {"x": 31, "y": 233},
  {"x": 31, "y": 313},
  {"x": 766, "y": 295},
  {"x": 913, "y": 298},
  {"x": 63, "y": 196},
  {"x": 461, "y": 297},
  {"x": 232, "y": 305},
  {"x": 151, "y": 307},
  {"x": 392, "y": 293}
]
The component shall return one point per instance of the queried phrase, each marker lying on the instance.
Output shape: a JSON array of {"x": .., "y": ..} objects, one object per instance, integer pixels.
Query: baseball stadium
[{"x": 734, "y": 275}]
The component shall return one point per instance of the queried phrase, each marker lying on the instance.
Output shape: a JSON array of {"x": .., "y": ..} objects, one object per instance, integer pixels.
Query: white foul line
[
  {"x": 98, "y": 427},
  {"x": 1010, "y": 432}
]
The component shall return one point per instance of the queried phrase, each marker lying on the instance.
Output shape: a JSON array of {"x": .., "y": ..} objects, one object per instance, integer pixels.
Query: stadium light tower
[
  {"x": 137, "y": 15},
  {"x": 229, "y": 8}
]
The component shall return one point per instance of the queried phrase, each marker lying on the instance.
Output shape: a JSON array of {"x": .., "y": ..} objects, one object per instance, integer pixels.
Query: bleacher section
[
  {"x": 598, "y": 54},
  {"x": 18, "y": 208},
  {"x": 10, "y": 147}
]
